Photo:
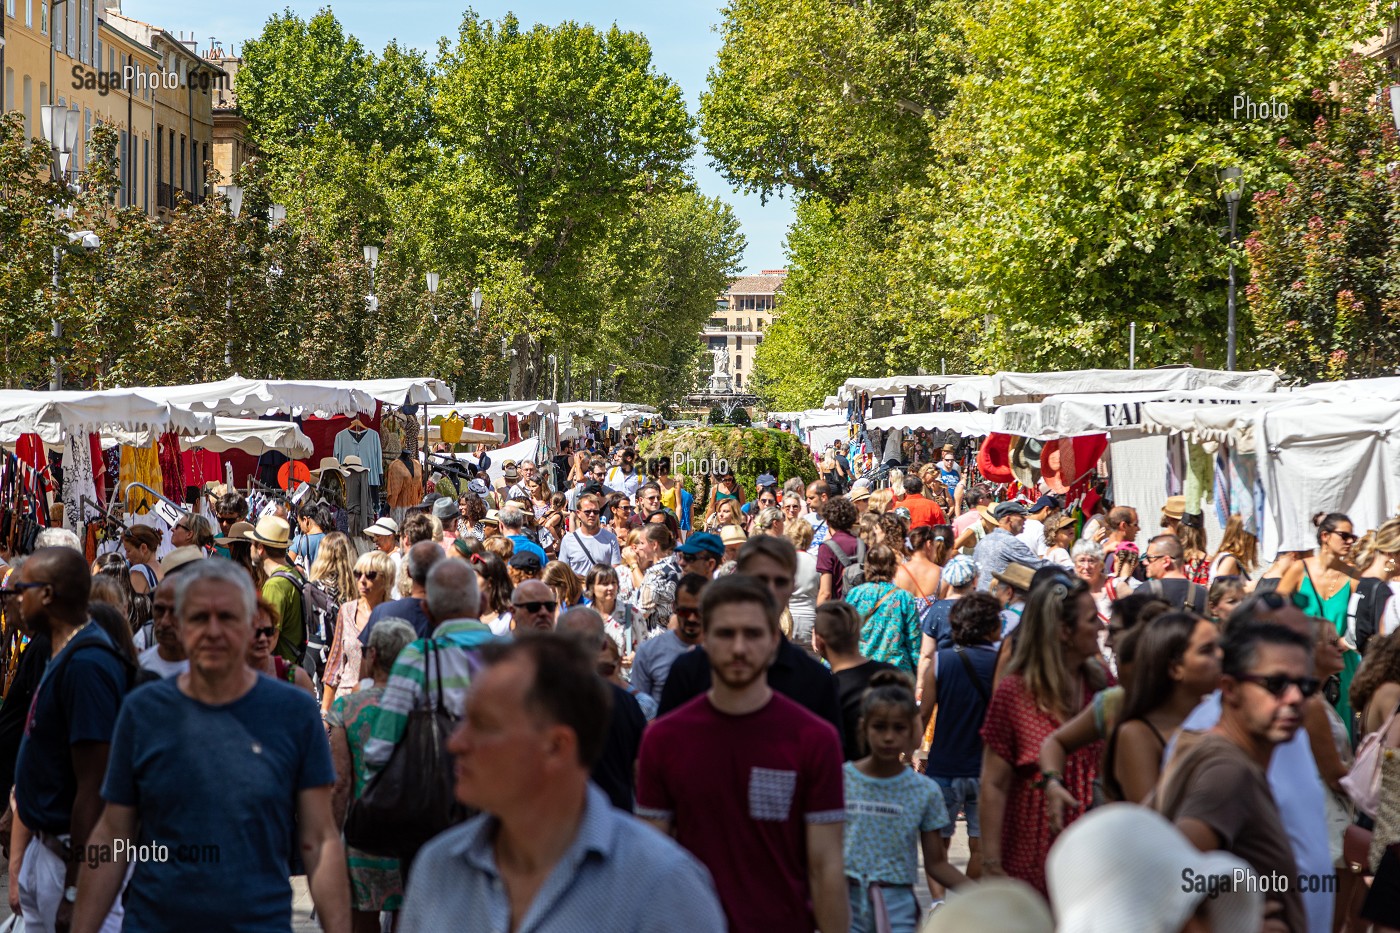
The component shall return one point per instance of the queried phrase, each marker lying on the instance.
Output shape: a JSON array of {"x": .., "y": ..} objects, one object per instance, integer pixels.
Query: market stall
[{"x": 988, "y": 392}]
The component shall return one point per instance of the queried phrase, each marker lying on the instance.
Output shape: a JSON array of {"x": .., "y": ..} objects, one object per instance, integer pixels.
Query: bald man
[
  {"x": 616, "y": 768},
  {"x": 533, "y": 606}
]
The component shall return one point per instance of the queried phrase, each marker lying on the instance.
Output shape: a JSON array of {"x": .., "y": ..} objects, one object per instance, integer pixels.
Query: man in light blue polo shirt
[{"x": 524, "y": 752}]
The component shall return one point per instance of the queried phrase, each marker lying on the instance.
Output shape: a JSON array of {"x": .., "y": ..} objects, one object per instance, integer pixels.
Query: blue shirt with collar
[
  {"x": 455, "y": 884},
  {"x": 522, "y": 543}
]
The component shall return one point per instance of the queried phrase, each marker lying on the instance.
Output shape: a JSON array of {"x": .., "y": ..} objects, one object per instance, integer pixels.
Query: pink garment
[{"x": 343, "y": 665}]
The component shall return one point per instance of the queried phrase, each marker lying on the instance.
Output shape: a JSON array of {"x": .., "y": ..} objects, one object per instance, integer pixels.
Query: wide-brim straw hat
[{"x": 271, "y": 531}]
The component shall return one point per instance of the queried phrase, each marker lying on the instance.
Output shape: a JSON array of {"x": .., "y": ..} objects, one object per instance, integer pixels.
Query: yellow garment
[{"x": 140, "y": 465}]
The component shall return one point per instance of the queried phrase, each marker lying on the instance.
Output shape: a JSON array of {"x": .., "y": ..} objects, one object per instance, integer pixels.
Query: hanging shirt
[{"x": 367, "y": 447}]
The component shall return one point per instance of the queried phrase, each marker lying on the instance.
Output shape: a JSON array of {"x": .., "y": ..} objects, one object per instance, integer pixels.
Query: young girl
[{"x": 890, "y": 811}]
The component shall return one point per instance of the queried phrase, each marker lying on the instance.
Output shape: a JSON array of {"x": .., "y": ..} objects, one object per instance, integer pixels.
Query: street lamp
[
  {"x": 1233, "y": 190},
  {"x": 61, "y": 127},
  {"x": 476, "y": 302},
  {"x": 372, "y": 260},
  {"x": 276, "y": 213},
  {"x": 233, "y": 197},
  {"x": 433, "y": 280}
]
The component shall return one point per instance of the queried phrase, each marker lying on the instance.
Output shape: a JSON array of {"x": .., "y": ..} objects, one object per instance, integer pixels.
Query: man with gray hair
[
  {"x": 421, "y": 559},
  {"x": 192, "y": 756},
  {"x": 513, "y": 527},
  {"x": 453, "y": 602},
  {"x": 58, "y": 537},
  {"x": 616, "y": 767}
]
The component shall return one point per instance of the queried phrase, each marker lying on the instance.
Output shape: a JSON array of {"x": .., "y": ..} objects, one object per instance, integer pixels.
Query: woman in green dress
[
  {"x": 375, "y": 882},
  {"x": 1323, "y": 582}
]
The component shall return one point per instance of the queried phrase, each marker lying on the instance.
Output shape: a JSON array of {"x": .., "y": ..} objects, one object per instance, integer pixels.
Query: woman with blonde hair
[
  {"x": 1238, "y": 553},
  {"x": 880, "y": 501},
  {"x": 1053, "y": 673},
  {"x": 1374, "y": 612},
  {"x": 334, "y": 566},
  {"x": 373, "y": 574},
  {"x": 726, "y": 513},
  {"x": 567, "y": 586}
]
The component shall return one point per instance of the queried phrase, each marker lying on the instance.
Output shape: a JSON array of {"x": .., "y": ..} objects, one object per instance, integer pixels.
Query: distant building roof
[{"x": 768, "y": 283}]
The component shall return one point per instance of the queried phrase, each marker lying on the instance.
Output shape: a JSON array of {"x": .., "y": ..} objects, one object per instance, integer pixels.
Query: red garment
[
  {"x": 200, "y": 467},
  {"x": 1015, "y": 728},
  {"x": 513, "y": 429},
  {"x": 99, "y": 467},
  {"x": 923, "y": 511},
  {"x": 30, "y": 450},
  {"x": 740, "y": 791},
  {"x": 172, "y": 476}
]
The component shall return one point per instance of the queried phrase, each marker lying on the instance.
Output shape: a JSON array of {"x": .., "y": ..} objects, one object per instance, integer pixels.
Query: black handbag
[{"x": 412, "y": 799}]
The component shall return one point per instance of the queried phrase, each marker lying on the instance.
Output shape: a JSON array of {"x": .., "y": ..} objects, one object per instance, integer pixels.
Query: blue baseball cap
[
  {"x": 702, "y": 542},
  {"x": 767, "y": 479}
]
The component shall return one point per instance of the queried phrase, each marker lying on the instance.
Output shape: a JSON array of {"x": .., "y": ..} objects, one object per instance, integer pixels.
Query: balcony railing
[
  {"x": 165, "y": 195},
  {"x": 731, "y": 329}
]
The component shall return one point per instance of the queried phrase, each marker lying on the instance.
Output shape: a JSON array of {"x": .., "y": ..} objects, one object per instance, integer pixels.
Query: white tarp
[
  {"x": 54, "y": 415},
  {"x": 1327, "y": 458},
  {"x": 1011, "y": 388},
  {"x": 1384, "y": 388},
  {"x": 966, "y": 423},
  {"x": 892, "y": 385},
  {"x": 469, "y": 410},
  {"x": 832, "y": 401},
  {"x": 237, "y": 397},
  {"x": 253, "y": 437},
  {"x": 820, "y": 438},
  {"x": 1120, "y": 414},
  {"x": 1227, "y": 424}
]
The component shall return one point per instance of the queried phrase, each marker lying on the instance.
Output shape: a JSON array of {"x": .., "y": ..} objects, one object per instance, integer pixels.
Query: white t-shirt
[
  {"x": 1034, "y": 536},
  {"x": 151, "y": 660}
]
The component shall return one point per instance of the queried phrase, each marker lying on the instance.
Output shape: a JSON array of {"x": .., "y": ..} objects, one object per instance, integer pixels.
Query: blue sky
[{"x": 681, "y": 32}]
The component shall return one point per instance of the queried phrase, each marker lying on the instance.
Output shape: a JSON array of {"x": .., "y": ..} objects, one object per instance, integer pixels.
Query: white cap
[
  {"x": 1124, "y": 867},
  {"x": 383, "y": 526}
]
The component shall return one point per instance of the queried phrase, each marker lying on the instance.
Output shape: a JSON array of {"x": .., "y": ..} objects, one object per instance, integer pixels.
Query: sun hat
[
  {"x": 444, "y": 508},
  {"x": 1017, "y": 576},
  {"x": 383, "y": 526},
  {"x": 354, "y": 464},
  {"x": 328, "y": 465},
  {"x": 732, "y": 535},
  {"x": 238, "y": 531},
  {"x": 179, "y": 557},
  {"x": 997, "y": 905},
  {"x": 1125, "y": 867},
  {"x": 271, "y": 531}
]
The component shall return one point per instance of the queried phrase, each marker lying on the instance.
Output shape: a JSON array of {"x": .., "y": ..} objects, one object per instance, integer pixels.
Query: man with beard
[
  {"x": 652, "y": 664},
  {"x": 749, "y": 781}
]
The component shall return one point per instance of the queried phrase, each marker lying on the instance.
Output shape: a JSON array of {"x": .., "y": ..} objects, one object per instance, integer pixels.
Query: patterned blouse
[{"x": 889, "y": 628}]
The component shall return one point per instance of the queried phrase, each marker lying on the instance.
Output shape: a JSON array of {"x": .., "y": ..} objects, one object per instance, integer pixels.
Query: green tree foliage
[
  {"x": 1064, "y": 185},
  {"x": 1324, "y": 291},
  {"x": 749, "y": 452}
]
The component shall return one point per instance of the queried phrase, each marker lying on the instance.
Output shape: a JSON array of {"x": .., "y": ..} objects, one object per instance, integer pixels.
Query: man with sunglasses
[
  {"x": 230, "y": 508},
  {"x": 1165, "y": 563},
  {"x": 533, "y": 606},
  {"x": 1216, "y": 789},
  {"x": 589, "y": 543},
  {"x": 1292, "y": 770},
  {"x": 652, "y": 664}
]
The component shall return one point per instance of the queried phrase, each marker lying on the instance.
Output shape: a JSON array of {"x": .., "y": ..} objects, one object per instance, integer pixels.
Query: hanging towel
[{"x": 1200, "y": 477}]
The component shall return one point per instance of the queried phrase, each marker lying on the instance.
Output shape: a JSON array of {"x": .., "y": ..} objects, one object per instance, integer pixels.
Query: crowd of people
[{"x": 805, "y": 688}]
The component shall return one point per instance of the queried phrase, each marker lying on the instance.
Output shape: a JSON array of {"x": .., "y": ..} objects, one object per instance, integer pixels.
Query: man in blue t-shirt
[
  {"x": 217, "y": 773},
  {"x": 64, "y": 751}
]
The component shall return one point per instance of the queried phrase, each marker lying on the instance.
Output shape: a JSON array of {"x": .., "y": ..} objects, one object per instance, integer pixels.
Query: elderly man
[
  {"x": 453, "y": 603},
  {"x": 167, "y": 655},
  {"x": 533, "y": 605},
  {"x": 549, "y": 854},
  {"x": 513, "y": 527},
  {"x": 1001, "y": 546},
  {"x": 192, "y": 757}
]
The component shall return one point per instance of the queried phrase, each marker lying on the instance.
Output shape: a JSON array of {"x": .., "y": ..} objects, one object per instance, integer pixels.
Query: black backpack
[
  {"x": 318, "y": 616},
  {"x": 1196, "y": 596},
  {"x": 852, "y": 568}
]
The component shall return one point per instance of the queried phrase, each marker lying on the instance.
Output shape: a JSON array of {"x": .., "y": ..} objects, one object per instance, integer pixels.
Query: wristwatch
[{"x": 70, "y": 894}]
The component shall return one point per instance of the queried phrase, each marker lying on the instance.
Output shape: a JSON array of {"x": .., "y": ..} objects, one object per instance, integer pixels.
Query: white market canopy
[
  {"x": 1119, "y": 414},
  {"x": 1384, "y": 388},
  {"x": 1227, "y": 424},
  {"x": 469, "y": 410},
  {"x": 237, "y": 397},
  {"x": 985, "y": 392},
  {"x": 892, "y": 385},
  {"x": 253, "y": 437},
  {"x": 54, "y": 415},
  {"x": 966, "y": 423}
]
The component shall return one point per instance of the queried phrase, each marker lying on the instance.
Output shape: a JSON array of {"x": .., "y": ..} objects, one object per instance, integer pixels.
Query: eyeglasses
[
  {"x": 228, "y": 519},
  {"x": 588, "y": 511},
  {"x": 537, "y": 606},
  {"x": 268, "y": 632},
  {"x": 370, "y": 575},
  {"x": 1275, "y": 600},
  {"x": 1278, "y": 684},
  {"x": 624, "y": 508},
  {"x": 1148, "y": 559},
  {"x": 689, "y": 612}
]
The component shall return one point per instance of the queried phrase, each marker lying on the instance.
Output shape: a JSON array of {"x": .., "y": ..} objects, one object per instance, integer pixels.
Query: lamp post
[
  {"x": 61, "y": 127},
  {"x": 476, "y": 303},
  {"x": 233, "y": 197},
  {"x": 433, "y": 280},
  {"x": 1234, "y": 188},
  {"x": 276, "y": 213},
  {"x": 371, "y": 260}
]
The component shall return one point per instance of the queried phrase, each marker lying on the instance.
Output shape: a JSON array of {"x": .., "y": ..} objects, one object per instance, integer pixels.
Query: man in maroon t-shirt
[
  {"x": 840, "y": 518},
  {"x": 749, "y": 781},
  {"x": 921, "y": 511}
]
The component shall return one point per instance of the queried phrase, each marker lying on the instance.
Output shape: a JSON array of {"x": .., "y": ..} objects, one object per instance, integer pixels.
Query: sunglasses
[
  {"x": 370, "y": 575},
  {"x": 588, "y": 511},
  {"x": 1276, "y": 600},
  {"x": 267, "y": 632},
  {"x": 624, "y": 508},
  {"x": 537, "y": 606},
  {"x": 687, "y": 613},
  {"x": 14, "y": 589},
  {"x": 1346, "y": 536},
  {"x": 1278, "y": 684}
]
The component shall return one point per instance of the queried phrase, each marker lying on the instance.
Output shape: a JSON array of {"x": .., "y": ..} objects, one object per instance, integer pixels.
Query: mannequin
[{"x": 404, "y": 485}]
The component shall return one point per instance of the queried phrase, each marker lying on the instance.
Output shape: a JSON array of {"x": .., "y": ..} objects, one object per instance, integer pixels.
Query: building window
[
  {"x": 9, "y": 89},
  {"x": 738, "y": 380},
  {"x": 29, "y": 13},
  {"x": 44, "y": 18},
  {"x": 28, "y": 107},
  {"x": 10, "y": 8},
  {"x": 738, "y": 363},
  {"x": 146, "y": 175},
  {"x": 43, "y": 92},
  {"x": 84, "y": 49}
]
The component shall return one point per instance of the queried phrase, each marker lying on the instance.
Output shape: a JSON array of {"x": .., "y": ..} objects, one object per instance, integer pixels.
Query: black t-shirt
[
  {"x": 851, "y": 685},
  {"x": 1179, "y": 592},
  {"x": 616, "y": 766},
  {"x": 30, "y": 670},
  {"x": 795, "y": 674},
  {"x": 1369, "y": 601}
]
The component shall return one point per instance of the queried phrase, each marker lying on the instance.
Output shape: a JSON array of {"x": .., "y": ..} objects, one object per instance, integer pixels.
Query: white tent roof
[
  {"x": 1010, "y": 388},
  {"x": 237, "y": 397},
  {"x": 1384, "y": 388},
  {"x": 1232, "y": 424},
  {"x": 966, "y": 423},
  {"x": 891, "y": 385},
  {"x": 1072, "y": 415},
  {"x": 468, "y": 409},
  {"x": 254, "y": 437},
  {"x": 598, "y": 410},
  {"x": 52, "y": 415},
  {"x": 832, "y": 401}
]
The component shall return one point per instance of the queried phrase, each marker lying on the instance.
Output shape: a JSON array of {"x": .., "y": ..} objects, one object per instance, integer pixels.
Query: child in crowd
[{"x": 890, "y": 811}]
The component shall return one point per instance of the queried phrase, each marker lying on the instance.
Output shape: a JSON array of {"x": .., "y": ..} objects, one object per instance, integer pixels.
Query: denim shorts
[
  {"x": 900, "y": 904},
  {"x": 960, "y": 796}
]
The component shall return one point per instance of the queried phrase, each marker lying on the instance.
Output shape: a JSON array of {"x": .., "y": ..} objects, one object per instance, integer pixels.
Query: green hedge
[{"x": 749, "y": 452}]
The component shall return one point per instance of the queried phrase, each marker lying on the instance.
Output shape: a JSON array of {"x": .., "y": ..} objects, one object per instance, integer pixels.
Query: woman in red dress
[{"x": 1054, "y": 671}]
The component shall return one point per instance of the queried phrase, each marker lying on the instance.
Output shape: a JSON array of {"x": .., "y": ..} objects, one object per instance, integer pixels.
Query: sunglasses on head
[
  {"x": 269, "y": 631},
  {"x": 1278, "y": 684},
  {"x": 551, "y": 605}
]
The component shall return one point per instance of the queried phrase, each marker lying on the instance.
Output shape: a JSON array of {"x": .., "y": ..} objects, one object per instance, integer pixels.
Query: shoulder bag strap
[
  {"x": 876, "y": 608},
  {"x": 841, "y": 556},
  {"x": 972, "y": 675}
]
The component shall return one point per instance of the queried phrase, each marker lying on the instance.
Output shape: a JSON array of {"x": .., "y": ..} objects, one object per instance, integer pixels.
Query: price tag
[{"x": 168, "y": 512}]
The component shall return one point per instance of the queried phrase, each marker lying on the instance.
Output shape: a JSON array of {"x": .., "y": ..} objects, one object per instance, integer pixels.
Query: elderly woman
[
  {"x": 373, "y": 573},
  {"x": 1053, "y": 673},
  {"x": 375, "y": 882},
  {"x": 1089, "y": 567}
]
